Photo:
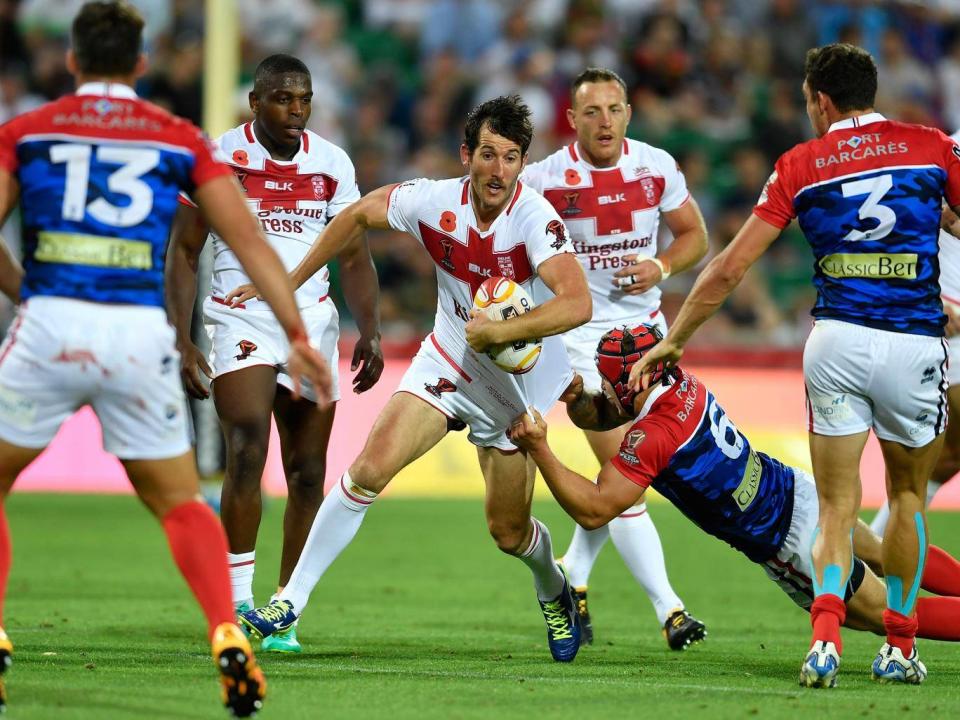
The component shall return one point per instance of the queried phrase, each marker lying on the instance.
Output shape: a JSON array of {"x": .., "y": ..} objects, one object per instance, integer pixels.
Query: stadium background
[{"x": 715, "y": 82}]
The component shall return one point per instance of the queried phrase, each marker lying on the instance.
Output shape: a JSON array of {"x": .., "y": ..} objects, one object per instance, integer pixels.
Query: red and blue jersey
[
  {"x": 685, "y": 446},
  {"x": 868, "y": 196},
  {"x": 99, "y": 174}
]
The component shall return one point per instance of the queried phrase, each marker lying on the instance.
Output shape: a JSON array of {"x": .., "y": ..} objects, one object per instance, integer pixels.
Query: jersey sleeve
[
  {"x": 8, "y": 147},
  {"x": 347, "y": 191},
  {"x": 206, "y": 166},
  {"x": 404, "y": 203},
  {"x": 534, "y": 176},
  {"x": 951, "y": 164},
  {"x": 775, "y": 205},
  {"x": 675, "y": 192},
  {"x": 645, "y": 452},
  {"x": 545, "y": 233}
]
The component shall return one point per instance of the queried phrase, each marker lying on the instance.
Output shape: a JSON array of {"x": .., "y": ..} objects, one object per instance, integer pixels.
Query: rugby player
[
  {"x": 867, "y": 193},
  {"x": 611, "y": 192},
  {"x": 483, "y": 225},
  {"x": 681, "y": 442},
  {"x": 97, "y": 176},
  {"x": 295, "y": 181}
]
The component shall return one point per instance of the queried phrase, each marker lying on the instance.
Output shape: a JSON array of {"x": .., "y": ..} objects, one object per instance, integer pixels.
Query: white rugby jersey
[
  {"x": 440, "y": 215},
  {"x": 950, "y": 263},
  {"x": 612, "y": 212},
  {"x": 293, "y": 200}
]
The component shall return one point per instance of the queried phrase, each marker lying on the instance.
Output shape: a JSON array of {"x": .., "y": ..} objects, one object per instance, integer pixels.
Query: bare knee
[
  {"x": 369, "y": 474},
  {"x": 511, "y": 538},
  {"x": 305, "y": 479},
  {"x": 247, "y": 443}
]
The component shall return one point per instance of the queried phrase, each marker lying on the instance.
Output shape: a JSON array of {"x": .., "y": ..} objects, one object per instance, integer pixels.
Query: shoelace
[
  {"x": 274, "y": 612},
  {"x": 558, "y": 625}
]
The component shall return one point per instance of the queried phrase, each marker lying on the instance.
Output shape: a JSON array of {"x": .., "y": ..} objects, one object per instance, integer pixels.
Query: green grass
[{"x": 421, "y": 618}]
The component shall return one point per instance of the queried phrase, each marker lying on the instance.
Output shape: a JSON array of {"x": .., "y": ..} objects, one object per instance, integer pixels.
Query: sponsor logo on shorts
[
  {"x": 831, "y": 408},
  {"x": 875, "y": 266},
  {"x": 923, "y": 422},
  {"x": 443, "y": 385},
  {"x": 246, "y": 347},
  {"x": 929, "y": 375},
  {"x": 17, "y": 409}
]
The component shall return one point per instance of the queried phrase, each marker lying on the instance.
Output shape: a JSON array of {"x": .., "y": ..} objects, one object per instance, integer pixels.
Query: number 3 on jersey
[
  {"x": 134, "y": 163},
  {"x": 874, "y": 188}
]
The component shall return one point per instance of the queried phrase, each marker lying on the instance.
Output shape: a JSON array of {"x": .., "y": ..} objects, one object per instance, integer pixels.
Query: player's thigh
[
  {"x": 322, "y": 323},
  {"x": 509, "y": 479},
  {"x": 304, "y": 429},
  {"x": 244, "y": 399},
  {"x": 951, "y": 443},
  {"x": 13, "y": 460},
  {"x": 909, "y": 468},
  {"x": 836, "y": 469},
  {"x": 405, "y": 429},
  {"x": 163, "y": 484}
]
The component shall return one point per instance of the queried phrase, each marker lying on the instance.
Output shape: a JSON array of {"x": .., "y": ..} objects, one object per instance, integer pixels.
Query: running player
[
  {"x": 295, "y": 181},
  {"x": 611, "y": 192},
  {"x": 475, "y": 227},
  {"x": 681, "y": 443},
  {"x": 867, "y": 193},
  {"x": 97, "y": 175}
]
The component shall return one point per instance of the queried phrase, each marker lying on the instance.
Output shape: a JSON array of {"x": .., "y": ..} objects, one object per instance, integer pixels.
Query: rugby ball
[{"x": 501, "y": 299}]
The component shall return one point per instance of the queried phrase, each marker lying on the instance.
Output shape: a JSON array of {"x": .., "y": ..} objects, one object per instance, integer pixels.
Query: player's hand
[
  {"x": 949, "y": 221},
  {"x": 305, "y": 363},
  {"x": 665, "y": 352},
  {"x": 528, "y": 432},
  {"x": 241, "y": 294},
  {"x": 637, "y": 277},
  {"x": 574, "y": 390},
  {"x": 480, "y": 331},
  {"x": 366, "y": 353},
  {"x": 192, "y": 363}
]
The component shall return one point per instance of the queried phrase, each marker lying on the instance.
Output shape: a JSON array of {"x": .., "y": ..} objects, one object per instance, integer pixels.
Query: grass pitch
[{"x": 421, "y": 618}]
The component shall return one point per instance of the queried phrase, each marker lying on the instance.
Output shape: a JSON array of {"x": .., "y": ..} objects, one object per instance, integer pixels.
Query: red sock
[
  {"x": 6, "y": 557},
  {"x": 200, "y": 551},
  {"x": 941, "y": 574},
  {"x": 901, "y": 630},
  {"x": 827, "y": 615},
  {"x": 938, "y": 618}
]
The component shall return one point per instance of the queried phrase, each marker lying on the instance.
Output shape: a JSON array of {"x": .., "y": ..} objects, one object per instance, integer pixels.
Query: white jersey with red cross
[
  {"x": 440, "y": 215},
  {"x": 293, "y": 200},
  {"x": 612, "y": 212}
]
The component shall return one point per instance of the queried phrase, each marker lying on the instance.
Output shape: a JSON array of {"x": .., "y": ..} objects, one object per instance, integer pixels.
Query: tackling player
[
  {"x": 867, "y": 194},
  {"x": 681, "y": 443},
  {"x": 611, "y": 192},
  {"x": 483, "y": 225},
  {"x": 295, "y": 182},
  {"x": 97, "y": 175}
]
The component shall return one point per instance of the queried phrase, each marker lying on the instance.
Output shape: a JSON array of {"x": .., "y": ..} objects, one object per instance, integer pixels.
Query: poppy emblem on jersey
[
  {"x": 571, "y": 199},
  {"x": 319, "y": 189},
  {"x": 634, "y": 438},
  {"x": 246, "y": 347},
  {"x": 443, "y": 385},
  {"x": 559, "y": 232},
  {"x": 571, "y": 177},
  {"x": 448, "y": 221},
  {"x": 240, "y": 157}
]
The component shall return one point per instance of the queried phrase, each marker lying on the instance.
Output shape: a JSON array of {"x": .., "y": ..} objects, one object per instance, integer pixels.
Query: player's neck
[
  {"x": 600, "y": 163},
  {"x": 486, "y": 214},
  {"x": 838, "y": 116},
  {"x": 277, "y": 151},
  {"x": 128, "y": 80}
]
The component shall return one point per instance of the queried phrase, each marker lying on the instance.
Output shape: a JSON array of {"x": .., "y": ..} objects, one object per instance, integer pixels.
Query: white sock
[
  {"x": 334, "y": 526},
  {"x": 636, "y": 539},
  {"x": 241, "y": 577},
  {"x": 547, "y": 578},
  {"x": 582, "y": 553},
  {"x": 879, "y": 522}
]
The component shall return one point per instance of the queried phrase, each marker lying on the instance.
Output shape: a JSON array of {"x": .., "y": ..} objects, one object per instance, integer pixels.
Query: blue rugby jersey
[
  {"x": 868, "y": 196},
  {"x": 684, "y": 446},
  {"x": 99, "y": 175}
]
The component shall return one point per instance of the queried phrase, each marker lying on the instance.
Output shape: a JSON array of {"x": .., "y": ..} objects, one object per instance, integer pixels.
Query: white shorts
[
  {"x": 953, "y": 361},
  {"x": 581, "y": 343},
  {"x": 62, "y": 354},
  {"x": 241, "y": 338},
  {"x": 859, "y": 378},
  {"x": 479, "y": 395},
  {"x": 792, "y": 567}
]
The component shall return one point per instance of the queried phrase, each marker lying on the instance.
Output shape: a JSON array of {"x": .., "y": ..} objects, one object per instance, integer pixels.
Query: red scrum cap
[{"x": 619, "y": 350}]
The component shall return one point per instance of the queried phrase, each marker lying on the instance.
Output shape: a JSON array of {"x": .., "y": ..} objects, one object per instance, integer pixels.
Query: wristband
[
  {"x": 664, "y": 266},
  {"x": 296, "y": 335}
]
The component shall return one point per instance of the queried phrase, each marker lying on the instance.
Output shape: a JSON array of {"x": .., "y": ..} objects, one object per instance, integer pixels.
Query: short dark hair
[
  {"x": 279, "y": 64},
  {"x": 845, "y": 72},
  {"x": 506, "y": 116},
  {"x": 107, "y": 38},
  {"x": 595, "y": 75}
]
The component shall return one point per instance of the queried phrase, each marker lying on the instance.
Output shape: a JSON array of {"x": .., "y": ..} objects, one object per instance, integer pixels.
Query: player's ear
[
  {"x": 464, "y": 154},
  {"x": 629, "y": 113},
  {"x": 71, "y": 62},
  {"x": 140, "y": 69},
  {"x": 570, "y": 117},
  {"x": 254, "y": 101}
]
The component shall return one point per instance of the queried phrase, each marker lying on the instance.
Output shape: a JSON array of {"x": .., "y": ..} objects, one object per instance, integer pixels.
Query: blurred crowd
[{"x": 715, "y": 82}]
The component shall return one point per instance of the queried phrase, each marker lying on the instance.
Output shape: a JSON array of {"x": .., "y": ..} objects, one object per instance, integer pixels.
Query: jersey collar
[
  {"x": 107, "y": 89},
  {"x": 856, "y": 121},
  {"x": 252, "y": 139},
  {"x": 574, "y": 150},
  {"x": 652, "y": 398}
]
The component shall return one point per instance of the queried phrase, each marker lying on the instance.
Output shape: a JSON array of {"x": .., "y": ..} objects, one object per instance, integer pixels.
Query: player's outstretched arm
[
  {"x": 590, "y": 505},
  {"x": 712, "y": 287},
  {"x": 225, "y": 210},
  {"x": 11, "y": 272},
  {"x": 187, "y": 239},
  {"x": 361, "y": 289}
]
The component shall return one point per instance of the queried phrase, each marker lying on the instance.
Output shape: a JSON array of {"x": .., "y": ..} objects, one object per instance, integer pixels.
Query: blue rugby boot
[
  {"x": 264, "y": 622},
  {"x": 890, "y": 665},
  {"x": 819, "y": 669},
  {"x": 563, "y": 624}
]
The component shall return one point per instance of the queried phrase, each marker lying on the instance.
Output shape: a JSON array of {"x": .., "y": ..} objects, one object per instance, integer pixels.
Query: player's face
[
  {"x": 607, "y": 388},
  {"x": 494, "y": 167},
  {"x": 815, "y": 111},
  {"x": 282, "y": 111},
  {"x": 599, "y": 115}
]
